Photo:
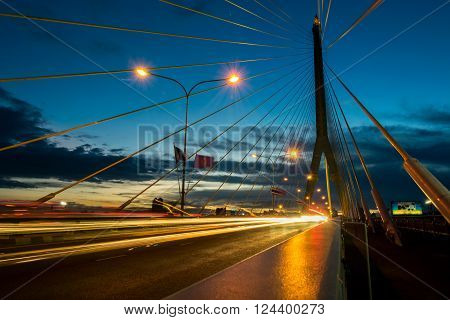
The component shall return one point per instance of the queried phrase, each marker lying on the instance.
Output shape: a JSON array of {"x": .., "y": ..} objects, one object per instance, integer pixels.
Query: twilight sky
[{"x": 401, "y": 74}]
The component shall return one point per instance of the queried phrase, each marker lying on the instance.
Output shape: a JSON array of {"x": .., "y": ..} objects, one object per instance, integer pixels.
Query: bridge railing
[{"x": 435, "y": 224}]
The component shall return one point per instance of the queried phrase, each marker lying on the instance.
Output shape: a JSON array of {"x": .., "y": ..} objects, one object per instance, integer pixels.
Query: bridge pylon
[{"x": 322, "y": 144}]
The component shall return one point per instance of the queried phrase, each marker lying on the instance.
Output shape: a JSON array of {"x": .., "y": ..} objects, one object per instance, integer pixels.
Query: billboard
[{"x": 406, "y": 207}]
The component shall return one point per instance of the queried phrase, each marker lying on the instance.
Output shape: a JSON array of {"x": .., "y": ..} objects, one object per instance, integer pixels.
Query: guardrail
[{"x": 436, "y": 225}]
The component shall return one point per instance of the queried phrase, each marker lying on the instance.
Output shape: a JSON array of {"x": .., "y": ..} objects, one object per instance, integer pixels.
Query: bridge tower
[{"x": 322, "y": 144}]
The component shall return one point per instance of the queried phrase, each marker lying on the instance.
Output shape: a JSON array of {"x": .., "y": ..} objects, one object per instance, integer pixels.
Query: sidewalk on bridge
[{"x": 303, "y": 267}]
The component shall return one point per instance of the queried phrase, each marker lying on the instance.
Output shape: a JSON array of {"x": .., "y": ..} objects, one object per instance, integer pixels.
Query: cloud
[
  {"x": 47, "y": 160},
  {"x": 430, "y": 114},
  {"x": 431, "y": 146},
  {"x": 20, "y": 121},
  {"x": 87, "y": 136},
  {"x": 117, "y": 150},
  {"x": 30, "y": 166},
  {"x": 13, "y": 184}
]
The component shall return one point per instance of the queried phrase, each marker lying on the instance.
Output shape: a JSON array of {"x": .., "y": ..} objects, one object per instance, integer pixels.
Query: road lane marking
[{"x": 109, "y": 258}]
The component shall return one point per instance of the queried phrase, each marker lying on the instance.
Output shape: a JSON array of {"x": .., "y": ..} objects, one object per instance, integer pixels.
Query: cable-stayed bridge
[{"x": 208, "y": 189}]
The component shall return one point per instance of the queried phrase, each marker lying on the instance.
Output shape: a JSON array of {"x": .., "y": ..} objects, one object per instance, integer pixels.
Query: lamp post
[
  {"x": 292, "y": 154},
  {"x": 144, "y": 73}
]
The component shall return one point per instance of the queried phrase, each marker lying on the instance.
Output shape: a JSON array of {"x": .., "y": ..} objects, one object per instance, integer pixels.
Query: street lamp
[
  {"x": 141, "y": 72},
  {"x": 232, "y": 79},
  {"x": 254, "y": 155},
  {"x": 293, "y": 154}
]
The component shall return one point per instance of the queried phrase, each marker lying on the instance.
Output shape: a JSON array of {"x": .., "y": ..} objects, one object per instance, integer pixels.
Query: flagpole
[
  {"x": 273, "y": 184},
  {"x": 188, "y": 93},
  {"x": 176, "y": 166}
]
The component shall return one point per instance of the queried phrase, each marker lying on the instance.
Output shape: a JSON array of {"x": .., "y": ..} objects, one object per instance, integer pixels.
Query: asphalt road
[{"x": 147, "y": 267}]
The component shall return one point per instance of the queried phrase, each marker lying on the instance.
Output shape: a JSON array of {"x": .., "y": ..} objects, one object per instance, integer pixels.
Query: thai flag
[
  {"x": 278, "y": 191},
  {"x": 179, "y": 155},
  {"x": 203, "y": 162}
]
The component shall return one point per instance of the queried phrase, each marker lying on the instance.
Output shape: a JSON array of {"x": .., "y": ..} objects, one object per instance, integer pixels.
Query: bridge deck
[{"x": 303, "y": 267}]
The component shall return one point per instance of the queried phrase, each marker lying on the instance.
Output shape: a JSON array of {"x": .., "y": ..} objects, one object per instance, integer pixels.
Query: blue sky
[{"x": 398, "y": 83}]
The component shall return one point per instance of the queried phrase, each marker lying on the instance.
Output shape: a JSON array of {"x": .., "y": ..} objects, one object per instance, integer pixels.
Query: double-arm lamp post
[{"x": 233, "y": 79}]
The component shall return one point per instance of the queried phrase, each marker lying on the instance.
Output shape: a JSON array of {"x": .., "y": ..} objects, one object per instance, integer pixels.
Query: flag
[
  {"x": 179, "y": 155},
  {"x": 278, "y": 191},
  {"x": 202, "y": 162}
]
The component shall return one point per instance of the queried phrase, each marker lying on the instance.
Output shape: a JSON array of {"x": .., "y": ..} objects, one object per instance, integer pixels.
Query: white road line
[{"x": 109, "y": 258}]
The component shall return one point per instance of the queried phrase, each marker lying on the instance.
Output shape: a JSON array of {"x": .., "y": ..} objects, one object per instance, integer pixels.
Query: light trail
[
  {"x": 70, "y": 226},
  {"x": 52, "y": 253}
]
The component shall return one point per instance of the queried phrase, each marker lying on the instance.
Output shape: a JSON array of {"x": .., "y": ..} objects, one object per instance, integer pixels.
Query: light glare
[
  {"x": 233, "y": 79},
  {"x": 141, "y": 72}
]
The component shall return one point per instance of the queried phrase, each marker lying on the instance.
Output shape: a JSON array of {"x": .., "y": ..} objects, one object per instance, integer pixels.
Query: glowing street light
[
  {"x": 309, "y": 177},
  {"x": 233, "y": 79},
  {"x": 280, "y": 206},
  {"x": 318, "y": 189},
  {"x": 141, "y": 72},
  {"x": 323, "y": 197},
  {"x": 293, "y": 154},
  {"x": 63, "y": 203},
  {"x": 299, "y": 190},
  {"x": 285, "y": 179},
  {"x": 254, "y": 155}
]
